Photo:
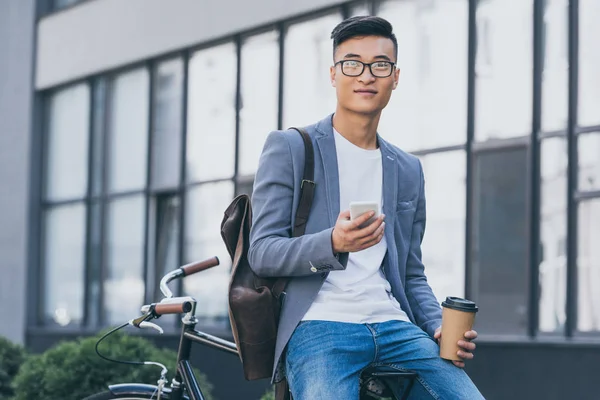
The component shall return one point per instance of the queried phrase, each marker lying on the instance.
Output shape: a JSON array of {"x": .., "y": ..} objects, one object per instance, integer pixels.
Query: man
[{"x": 358, "y": 296}]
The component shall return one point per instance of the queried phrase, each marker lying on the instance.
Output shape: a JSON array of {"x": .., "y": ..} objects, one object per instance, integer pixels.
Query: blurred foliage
[
  {"x": 73, "y": 370},
  {"x": 11, "y": 358}
]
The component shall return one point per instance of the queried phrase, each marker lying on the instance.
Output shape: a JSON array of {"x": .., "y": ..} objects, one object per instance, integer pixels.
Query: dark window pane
[
  {"x": 589, "y": 62},
  {"x": 588, "y": 266},
  {"x": 64, "y": 264},
  {"x": 124, "y": 282},
  {"x": 129, "y": 131},
  {"x": 164, "y": 246},
  {"x": 556, "y": 66},
  {"x": 308, "y": 95},
  {"x": 260, "y": 97},
  {"x": 245, "y": 186},
  {"x": 504, "y": 86},
  {"x": 444, "y": 241},
  {"x": 553, "y": 231},
  {"x": 589, "y": 161},
  {"x": 432, "y": 57},
  {"x": 94, "y": 262},
  {"x": 68, "y": 138},
  {"x": 500, "y": 245},
  {"x": 204, "y": 207},
  {"x": 166, "y": 129},
  {"x": 211, "y": 113}
]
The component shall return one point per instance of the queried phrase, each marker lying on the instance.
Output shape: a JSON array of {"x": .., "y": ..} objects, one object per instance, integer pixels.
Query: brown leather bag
[{"x": 254, "y": 302}]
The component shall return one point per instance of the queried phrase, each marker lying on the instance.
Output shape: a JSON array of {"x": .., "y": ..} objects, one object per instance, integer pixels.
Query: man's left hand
[{"x": 467, "y": 347}]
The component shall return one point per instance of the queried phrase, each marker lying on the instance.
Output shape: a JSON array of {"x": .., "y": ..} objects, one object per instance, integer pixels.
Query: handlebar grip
[
  {"x": 173, "y": 308},
  {"x": 199, "y": 266}
]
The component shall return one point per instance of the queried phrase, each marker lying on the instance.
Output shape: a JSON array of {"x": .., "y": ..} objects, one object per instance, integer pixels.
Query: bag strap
[
  {"x": 307, "y": 193},
  {"x": 307, "y": 186}
]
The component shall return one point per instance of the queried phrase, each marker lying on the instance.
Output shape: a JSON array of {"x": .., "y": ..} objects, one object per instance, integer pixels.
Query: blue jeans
[{"x": 325, "y": 359}]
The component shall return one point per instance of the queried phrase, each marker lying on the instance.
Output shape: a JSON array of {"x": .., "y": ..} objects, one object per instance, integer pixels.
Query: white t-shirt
[{"x": 360, "y": 293}]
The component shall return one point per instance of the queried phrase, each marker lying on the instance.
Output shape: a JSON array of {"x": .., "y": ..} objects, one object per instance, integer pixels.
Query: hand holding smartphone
[{"x": 357, "y": 208}]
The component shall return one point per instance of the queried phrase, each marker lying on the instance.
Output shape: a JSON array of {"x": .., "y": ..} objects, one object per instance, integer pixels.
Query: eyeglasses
[{"x": 379, "y": 69}]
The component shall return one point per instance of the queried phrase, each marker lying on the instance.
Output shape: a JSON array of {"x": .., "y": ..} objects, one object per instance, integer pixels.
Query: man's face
[{"x": 366, "y": 93}]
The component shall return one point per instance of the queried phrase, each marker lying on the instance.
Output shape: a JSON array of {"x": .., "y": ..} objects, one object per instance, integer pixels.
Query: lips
[{"x": 365, "y": 91}]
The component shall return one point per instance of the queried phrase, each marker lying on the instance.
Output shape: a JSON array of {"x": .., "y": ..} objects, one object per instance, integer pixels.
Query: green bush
[
  {"x": 11, "y": 358},
  {"x": 73, "y": 370},
  {"x": 269, "y": 395}
]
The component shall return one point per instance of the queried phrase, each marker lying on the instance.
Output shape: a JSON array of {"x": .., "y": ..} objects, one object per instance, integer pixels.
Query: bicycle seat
[{"x": 383, "y": 381}]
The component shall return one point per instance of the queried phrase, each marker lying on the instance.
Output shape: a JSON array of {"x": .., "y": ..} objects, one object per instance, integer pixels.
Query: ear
[
  {"x": 332, "y": 71},
  {"x": 396, "y": 78}
]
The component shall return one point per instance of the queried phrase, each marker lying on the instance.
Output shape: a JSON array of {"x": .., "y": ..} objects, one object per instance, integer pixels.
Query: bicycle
[{"x": 375, "y": 383}]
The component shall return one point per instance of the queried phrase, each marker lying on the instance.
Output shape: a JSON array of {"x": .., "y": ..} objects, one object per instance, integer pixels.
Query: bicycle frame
[{"x": 185, "y": 374}]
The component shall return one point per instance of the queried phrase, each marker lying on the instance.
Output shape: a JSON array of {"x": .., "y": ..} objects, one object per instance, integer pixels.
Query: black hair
[{"x": 361, "y": 26}]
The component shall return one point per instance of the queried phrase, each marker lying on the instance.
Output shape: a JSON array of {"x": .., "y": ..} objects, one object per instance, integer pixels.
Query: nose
[{"x": 366, "y": 75}]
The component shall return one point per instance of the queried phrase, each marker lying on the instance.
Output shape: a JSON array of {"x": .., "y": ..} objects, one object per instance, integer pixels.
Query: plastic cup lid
[{"x": 457, "y": 303}]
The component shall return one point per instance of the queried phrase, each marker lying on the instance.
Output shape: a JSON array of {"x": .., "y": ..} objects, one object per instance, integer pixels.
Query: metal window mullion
[
  {"x": 182, "y": 167},
  {"x": 282, "y": 28},
  {"x": 149, "y": 204},
  {"x": 469, "y": 200},
  {"x": 88, "y": 204},
  {"x": 238, "y": 104},
  {"x": 572, "y": 289},
  {"x": 535, "y": 160}
]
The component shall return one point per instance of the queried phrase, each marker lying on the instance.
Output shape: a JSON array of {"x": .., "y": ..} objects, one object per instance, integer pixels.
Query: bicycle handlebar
[
  {"x": 186, "y": 270},
  {"x": 173, "y": 308},
  {"x": 200, "y": 266}
]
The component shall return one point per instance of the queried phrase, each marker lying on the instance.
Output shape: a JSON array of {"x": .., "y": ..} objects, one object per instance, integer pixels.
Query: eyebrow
[{"x": 379, "y": 57}]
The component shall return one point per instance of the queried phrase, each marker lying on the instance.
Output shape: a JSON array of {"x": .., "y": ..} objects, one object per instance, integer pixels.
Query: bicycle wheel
[
  {"x": 127, "y": 396},
  {"x": 109, "y": 396}
]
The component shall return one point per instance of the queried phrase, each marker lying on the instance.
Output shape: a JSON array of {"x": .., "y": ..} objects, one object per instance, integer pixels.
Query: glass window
[
  {"x": 124, "y": 282},
  {"x": 204, "y": 208},
  {"x": 589, "y": 63},
  {"x": 64, "y": 264},
  {"x": 504, "y": 65},
  {"x": 211, "y": 113},
  {"x": 588, "y": 266},
  {"x": 444, "y": 241},
  {"x": 68, "y": 138},
  {"x": 58, "y": 4},
  {"x": 308, "y": 93},
  {"x": 553, "y": 235},
  {"x": 499, "y": 242},
  {"x": 166, "y": 129},
  {"x": 361, "y": 8},
  {"x": 166, "y": 240},
  {"x": 555, "y": 75},
  {"x": 589, "y": 161},
  {"x": 259, "y": 97},
  {"x": 128, "y": 128},
  {"x": 94, "y": 262},
  {"x": 429, "y": 107}
]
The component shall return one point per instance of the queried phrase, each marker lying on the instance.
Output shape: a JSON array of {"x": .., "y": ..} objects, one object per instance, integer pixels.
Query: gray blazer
[{"x": 307, "y": 259}]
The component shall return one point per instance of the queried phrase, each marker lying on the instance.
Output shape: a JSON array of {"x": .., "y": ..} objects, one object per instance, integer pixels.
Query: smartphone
[{"x": 357, "y": 208}]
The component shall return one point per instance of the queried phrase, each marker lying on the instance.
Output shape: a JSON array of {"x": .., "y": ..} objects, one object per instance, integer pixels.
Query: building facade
[{"x": 126, "y": 127}]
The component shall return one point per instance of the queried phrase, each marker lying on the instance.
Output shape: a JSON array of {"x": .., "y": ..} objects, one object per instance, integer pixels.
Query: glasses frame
[{"x": 364, "y": 64}]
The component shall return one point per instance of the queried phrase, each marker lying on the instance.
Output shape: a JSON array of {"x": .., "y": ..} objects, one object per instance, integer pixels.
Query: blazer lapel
[
  {"x": 390, "y": 198},
  {"x": 326, "y": 145}
]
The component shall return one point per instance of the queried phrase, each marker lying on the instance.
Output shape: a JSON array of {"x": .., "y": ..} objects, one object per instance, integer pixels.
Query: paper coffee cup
[{"x": 458, "y": 316}]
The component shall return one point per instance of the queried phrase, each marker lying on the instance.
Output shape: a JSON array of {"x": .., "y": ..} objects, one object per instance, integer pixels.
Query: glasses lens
[
  {"x": 381, "y": 69},
  {"x": 352, "y": 68}
]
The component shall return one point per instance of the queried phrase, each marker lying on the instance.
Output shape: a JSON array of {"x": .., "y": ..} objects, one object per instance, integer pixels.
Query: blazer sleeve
[
  {"x": 273, "y": 252},
  {"x": 423, "y": 303}
]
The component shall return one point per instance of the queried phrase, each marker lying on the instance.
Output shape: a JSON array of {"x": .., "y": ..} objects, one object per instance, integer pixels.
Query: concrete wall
[
  {"x": 17, "y": 19},
  {"x": 103, "y": 34}
]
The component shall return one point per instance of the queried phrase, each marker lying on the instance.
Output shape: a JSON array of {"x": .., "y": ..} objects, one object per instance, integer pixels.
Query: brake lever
[{"x": 145, "y": 324}]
